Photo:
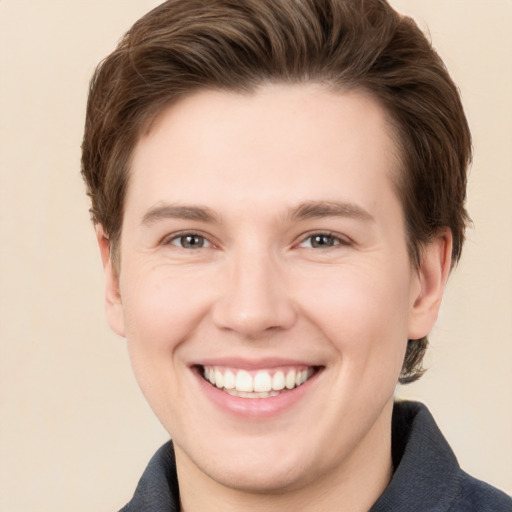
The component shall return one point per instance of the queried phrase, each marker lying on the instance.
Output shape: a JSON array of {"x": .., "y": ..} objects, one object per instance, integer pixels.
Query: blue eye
[
  {"x": 323, "y": 241},
  {"x": 190, "y": 241}
]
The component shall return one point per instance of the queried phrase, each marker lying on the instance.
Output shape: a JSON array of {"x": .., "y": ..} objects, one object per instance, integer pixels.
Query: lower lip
[{"x": 256, "y": 407}]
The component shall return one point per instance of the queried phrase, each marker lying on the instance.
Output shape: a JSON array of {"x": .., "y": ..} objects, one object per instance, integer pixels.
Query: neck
[{"x": 353, "y": 486}]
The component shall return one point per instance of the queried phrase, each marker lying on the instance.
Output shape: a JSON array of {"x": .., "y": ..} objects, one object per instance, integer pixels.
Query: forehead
[{"x": 278, "y": 142}]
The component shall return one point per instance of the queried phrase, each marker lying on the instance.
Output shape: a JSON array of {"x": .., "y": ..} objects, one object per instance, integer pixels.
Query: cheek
[
  {"x": 363, "y": 312},
  {"x": 161, "y": 313},
  {"x": 158, "y": 302}
]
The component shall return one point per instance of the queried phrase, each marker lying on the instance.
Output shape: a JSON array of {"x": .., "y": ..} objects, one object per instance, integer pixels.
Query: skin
[{"x": 258, "y": 287}]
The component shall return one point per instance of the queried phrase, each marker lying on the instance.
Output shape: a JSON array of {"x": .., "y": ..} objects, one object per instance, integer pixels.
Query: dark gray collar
[{"x": 426, "y": 470}]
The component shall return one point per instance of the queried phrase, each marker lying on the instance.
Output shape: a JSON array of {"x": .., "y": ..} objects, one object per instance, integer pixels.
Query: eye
[
  {"x": 189, "y": 241},
  {"x": 323, "y": 241}
]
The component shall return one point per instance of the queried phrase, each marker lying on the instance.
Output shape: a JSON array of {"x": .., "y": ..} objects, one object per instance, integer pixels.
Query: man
[{"x": 278, "y": 191}]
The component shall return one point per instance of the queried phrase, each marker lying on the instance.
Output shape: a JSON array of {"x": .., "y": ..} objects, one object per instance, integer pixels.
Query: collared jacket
[{"x": 426, "y": 477}]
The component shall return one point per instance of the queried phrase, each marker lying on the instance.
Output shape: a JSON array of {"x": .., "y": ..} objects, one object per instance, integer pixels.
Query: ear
[
  {"x": 113, "y": 303},
  {"x": 432, "y": 274}
]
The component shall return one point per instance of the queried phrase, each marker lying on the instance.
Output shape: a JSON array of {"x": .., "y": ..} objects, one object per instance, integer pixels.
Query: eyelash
[
  {"x": 178, "y": 240},
  {"x": 335, "y": 237},
  {"x": 180, "y": 237}
]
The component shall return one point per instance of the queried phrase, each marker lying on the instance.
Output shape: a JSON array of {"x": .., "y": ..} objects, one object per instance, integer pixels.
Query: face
[{"x": 265, "y": 288}]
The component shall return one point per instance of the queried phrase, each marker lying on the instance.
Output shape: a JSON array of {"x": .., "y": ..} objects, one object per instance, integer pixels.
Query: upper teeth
[{"x": 260, "y": 381}]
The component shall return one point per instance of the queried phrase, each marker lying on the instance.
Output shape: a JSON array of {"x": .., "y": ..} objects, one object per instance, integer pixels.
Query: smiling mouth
[{"x": 257, "y": 384}]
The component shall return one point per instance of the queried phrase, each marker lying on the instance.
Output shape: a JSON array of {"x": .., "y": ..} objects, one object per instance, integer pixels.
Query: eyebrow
[
  {"x": 317, "y": 209},
  {"x": 170, "y": 211},
  {"x": 307, "y": 210}
]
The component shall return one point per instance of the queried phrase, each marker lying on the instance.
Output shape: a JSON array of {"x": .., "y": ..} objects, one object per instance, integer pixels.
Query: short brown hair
[{"x": 184, "y": 46}]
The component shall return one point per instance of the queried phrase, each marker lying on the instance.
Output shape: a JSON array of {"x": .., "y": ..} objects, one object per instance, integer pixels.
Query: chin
[
  {"x": 261, "y": 465},
  {"x": 260, "y": 478}
]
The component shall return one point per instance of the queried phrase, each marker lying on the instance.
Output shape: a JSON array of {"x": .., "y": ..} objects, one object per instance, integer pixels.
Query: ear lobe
[
  {"x": 113, "y": 303},
  {"x": 432, "y": 275}
]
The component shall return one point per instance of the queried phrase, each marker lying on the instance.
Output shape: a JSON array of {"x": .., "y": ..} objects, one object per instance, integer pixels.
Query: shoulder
[
  {"x": 475, "y": 495},
  {"x": 427, "y": 476}
]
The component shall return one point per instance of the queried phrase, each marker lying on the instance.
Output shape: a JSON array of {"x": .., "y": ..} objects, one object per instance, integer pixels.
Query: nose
[{"x": 254, "y": 300}]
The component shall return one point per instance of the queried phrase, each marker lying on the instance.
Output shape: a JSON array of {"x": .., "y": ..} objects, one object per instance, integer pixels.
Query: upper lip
[{"x": 252, "y": 364}]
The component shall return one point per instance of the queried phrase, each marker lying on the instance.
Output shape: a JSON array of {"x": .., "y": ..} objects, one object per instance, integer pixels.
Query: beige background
[{"x": 75, "y": 433}]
